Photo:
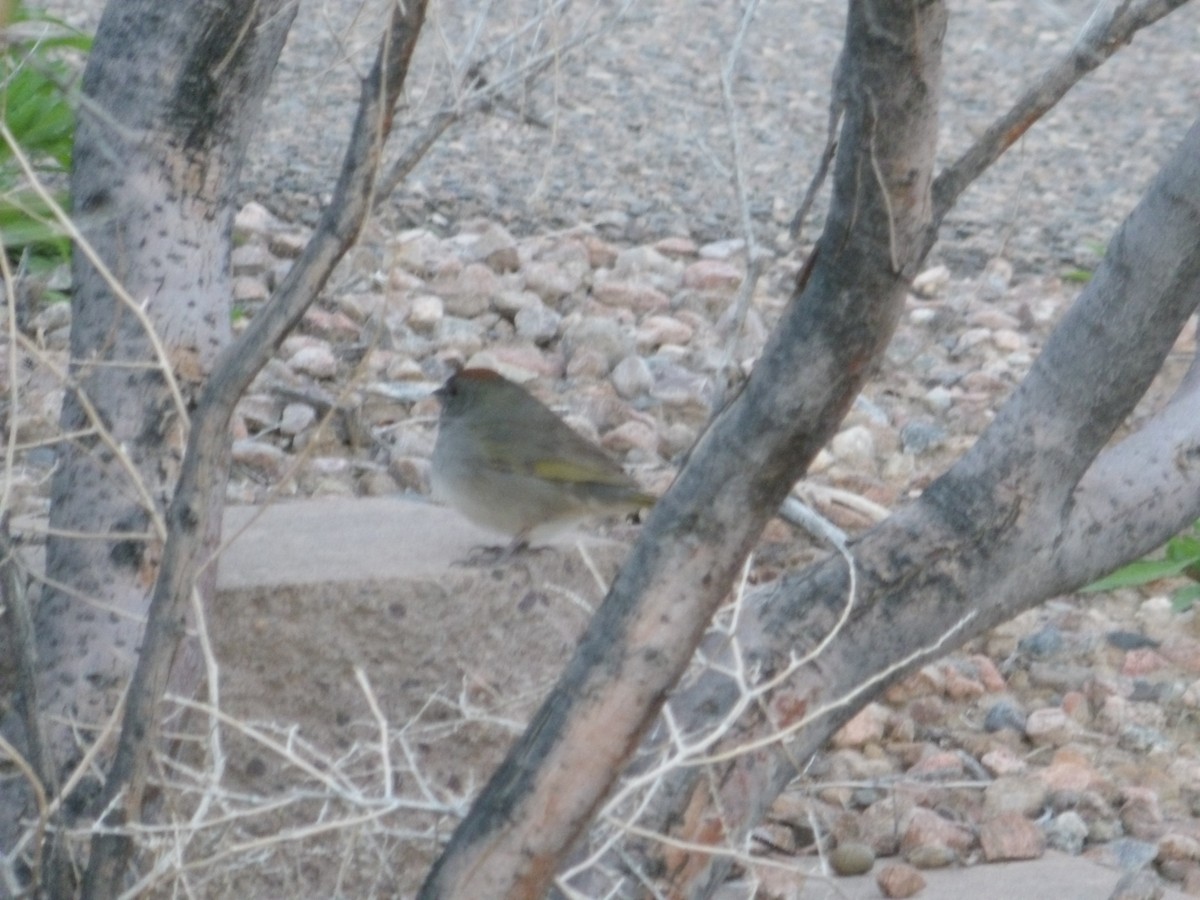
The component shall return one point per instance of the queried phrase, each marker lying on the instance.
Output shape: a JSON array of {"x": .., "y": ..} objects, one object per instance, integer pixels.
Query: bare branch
[
  {"x": 699, "y": 534},
  {"x": 1012, "y": 523},
  {"x": 837, "y": 105},
  {"x": 1109, "y": 29}
]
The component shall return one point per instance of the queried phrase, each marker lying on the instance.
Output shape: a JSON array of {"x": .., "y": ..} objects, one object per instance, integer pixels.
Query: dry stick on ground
[
  {"x": 188, "y": 511},
  {"x": 698, "y": 536}
]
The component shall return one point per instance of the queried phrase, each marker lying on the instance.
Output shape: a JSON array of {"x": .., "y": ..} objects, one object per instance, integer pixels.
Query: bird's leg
[{"x": 494, "y": 556}]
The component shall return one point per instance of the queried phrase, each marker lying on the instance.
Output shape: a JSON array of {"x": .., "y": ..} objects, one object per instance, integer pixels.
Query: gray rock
[
  {"x": 317, "y": 360},
  {"x": 598, "y": 334},
  {"x": 1004, "y": 713},
  {"x": 252, "y": 260},
  {"x": 497, "y": 248},
  {"x": 470, "y": 293},
  {"x": 537, "y": 323},
  {"x": 1043, "y": 643},
  {"x": 1067, "y": 832},
  {"x": 52, "y": 317},
  {"x": 1024, "y": 794},
  {"x": 550, "y": 281},
  {"x": 919, "y": 436},
  {"x": 1143, "y": 885},
  {"x": 296, "y": 417},
  {"x": 632, "y": 377}
]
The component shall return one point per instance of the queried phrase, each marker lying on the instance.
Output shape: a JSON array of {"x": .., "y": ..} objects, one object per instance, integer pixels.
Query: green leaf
[
  {"x": 1184, "y": 549},
  {"x": 1183, "y": 599},
  {"x": 1138, "y": 573}
]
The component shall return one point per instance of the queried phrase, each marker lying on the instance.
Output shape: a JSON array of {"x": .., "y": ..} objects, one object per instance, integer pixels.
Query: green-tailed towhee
[{"x": 508, "y": 463}]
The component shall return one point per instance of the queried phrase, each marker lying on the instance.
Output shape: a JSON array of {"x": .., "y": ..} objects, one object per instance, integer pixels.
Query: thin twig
[
  {"x": 745, "y": 292},
  {"x": 1100, "y": 38},
  {"x": 837, "y": 106}
]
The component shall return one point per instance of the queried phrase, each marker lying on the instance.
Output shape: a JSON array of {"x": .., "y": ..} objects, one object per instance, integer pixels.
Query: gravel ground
[
  {"x": 1079, "y": 725},
  {"x": 637, "y": 137}
]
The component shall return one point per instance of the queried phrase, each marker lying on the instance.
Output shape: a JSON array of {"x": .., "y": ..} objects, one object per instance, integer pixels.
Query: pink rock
[
  {"x": 1075, "y": 705},
  {"x": 959, "y": 686},
  {"x": 1050, "y": 726},
  {"x": 865, "y": 728},
  {"x": 1141, "y": 814},
  {"x": 922, "y": 683},
  {"x": 1011, "y": 836},
  {"x": 1183, "y": 652},
  {"x": 630, "y": 436},
  {"x": 517, "y": 362},
  {"x": 1142, "y": 661},
  {"x": 330, "y": 324},
  {"x": 942, "y": 765},
  {"x": 927, "y": 710},
  {"x": 924, "y": 828},
  {"x": 1072, "y": 777},
  {"x": 989, "y": 675},
  {"x": 658, "y": 330},
  {"x": 899, "y": 880},
  {"x": 1003, "y": 761},
  {"x": 676, "y": 246},
  {"x": 601, "y": 254},
  {"x": 712, "y": 275},
  {"x": 635, "y": 295}
]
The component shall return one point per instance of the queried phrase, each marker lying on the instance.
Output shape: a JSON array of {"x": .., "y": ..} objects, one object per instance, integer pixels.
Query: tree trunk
[
  {"x": 543, "y": 796},
  {"x": 171, "y": 93},
  {"x": 1035, "y": 509}
]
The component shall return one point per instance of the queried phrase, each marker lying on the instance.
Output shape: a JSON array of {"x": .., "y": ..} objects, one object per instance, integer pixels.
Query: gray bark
[
  {"x": 1003, "y": 530},
  {"x": 196, "y": 505},
  {"x": 1035, "y": 509},
  {"x": 171, "y": 92},
  {"x": 543, "y": 796}
]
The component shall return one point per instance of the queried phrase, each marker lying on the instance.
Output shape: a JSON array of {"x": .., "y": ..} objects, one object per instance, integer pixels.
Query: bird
[{"x": 507, "y": 462}]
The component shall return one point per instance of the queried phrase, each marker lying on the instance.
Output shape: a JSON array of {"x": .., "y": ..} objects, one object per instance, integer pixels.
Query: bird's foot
[{"x": 482, "y": 557}]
